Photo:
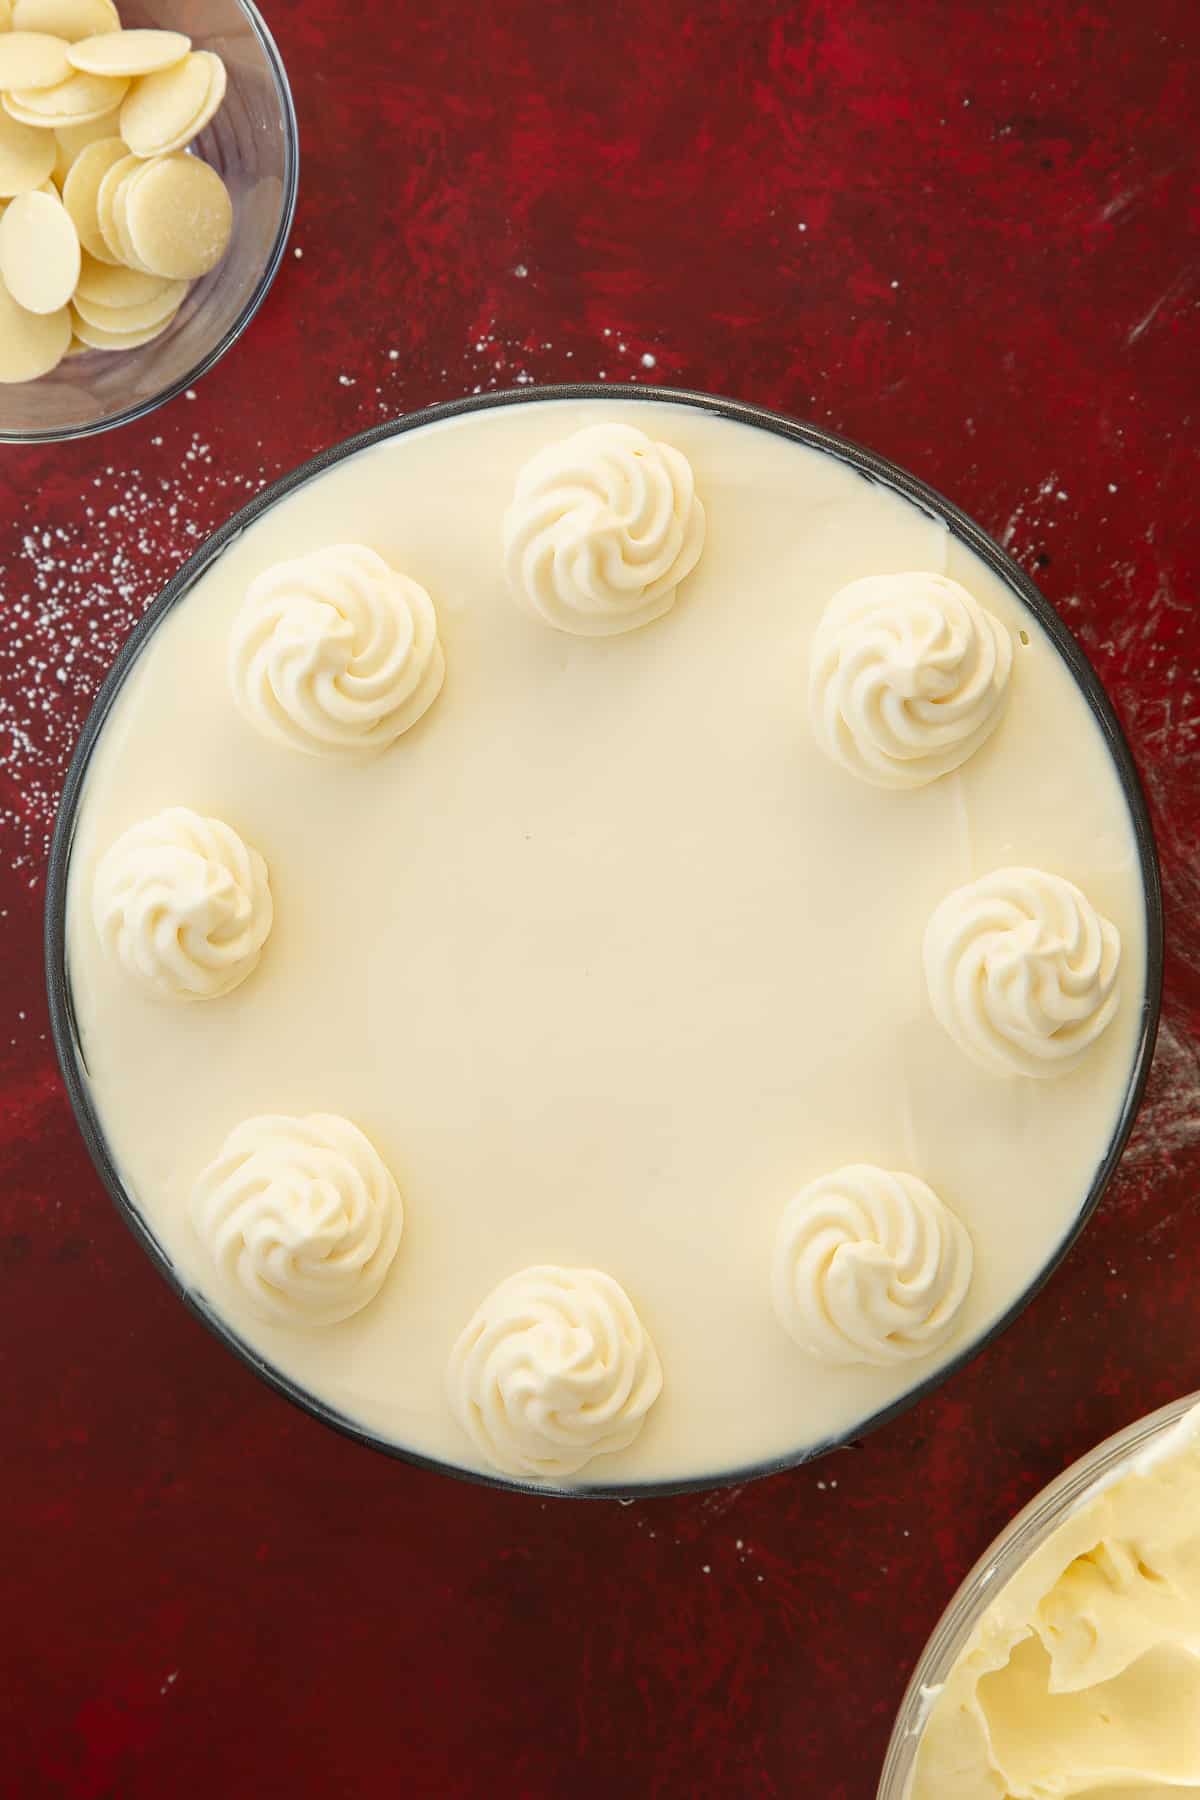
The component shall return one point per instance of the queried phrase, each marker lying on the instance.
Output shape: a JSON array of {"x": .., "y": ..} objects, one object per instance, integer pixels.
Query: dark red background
[{"x": 964, "y": 235}]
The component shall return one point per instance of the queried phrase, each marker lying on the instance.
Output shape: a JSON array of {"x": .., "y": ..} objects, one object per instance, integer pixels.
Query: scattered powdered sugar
[
  {"x": 72, "y": 593},
  {"x": 512, "y": 359},
  {"x": 1026, "y": 516},
  {"x": 1168, "y": 1126}
]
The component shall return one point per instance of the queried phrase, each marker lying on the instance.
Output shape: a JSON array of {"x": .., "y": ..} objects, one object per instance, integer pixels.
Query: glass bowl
[
  {"x": 998, "y": 1564},
  {"x": 253, "y": 144},
  {"x": 866, "y": 463}
]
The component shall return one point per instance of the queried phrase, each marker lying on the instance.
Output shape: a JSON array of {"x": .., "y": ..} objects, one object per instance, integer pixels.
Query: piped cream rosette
[
  {"x": 909, "y": 676},
  {"x": 183, "y": 905},
  {"x": 602, "y": 528},
  {"x": 1022, "y": 971},
  {"x": 335, "y": 652},
  {"x": 870, "y": 1266},
  {"x": 301, "y": 1217},
  {"x": 554, "y": 1369}
]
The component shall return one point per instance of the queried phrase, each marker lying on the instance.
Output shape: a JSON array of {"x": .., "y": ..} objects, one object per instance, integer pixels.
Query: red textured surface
[{"x": 966, "y": 236}]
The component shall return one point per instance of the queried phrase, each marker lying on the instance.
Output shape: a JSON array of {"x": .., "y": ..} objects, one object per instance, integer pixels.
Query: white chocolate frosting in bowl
[
  {"x": 607, "y": 959},
  {"x": 1080, "y": 1679}
]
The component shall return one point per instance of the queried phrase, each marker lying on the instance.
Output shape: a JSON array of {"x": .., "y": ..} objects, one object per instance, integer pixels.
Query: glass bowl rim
[
  {"x": 872, "y": 467},
  {"x": 65, "y": 434},
  {"x": 1004, "y": 1558}
]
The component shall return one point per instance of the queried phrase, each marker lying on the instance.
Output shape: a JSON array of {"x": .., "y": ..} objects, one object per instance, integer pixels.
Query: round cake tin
[{"x": 875, "y": 469}]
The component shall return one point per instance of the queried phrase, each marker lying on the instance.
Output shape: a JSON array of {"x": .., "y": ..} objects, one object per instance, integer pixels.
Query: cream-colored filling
[
  {"x": 604, "y": 955},
  {"x": 1082, "y": 1679}
]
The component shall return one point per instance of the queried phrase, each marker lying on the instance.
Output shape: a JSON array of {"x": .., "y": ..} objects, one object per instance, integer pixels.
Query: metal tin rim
[{"x": 866, "y": 463}]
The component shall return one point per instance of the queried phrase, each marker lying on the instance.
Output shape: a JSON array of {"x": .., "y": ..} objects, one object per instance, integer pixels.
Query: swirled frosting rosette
[
  {"x": 301, "y": 1217},
  {"x": 335, "y": 652},
  {"x": 602, "y": 528},
  {"x": 554, "y": 1369},
  {"x": 183, "y": 905},
  {"x": 908, "y": 677},
  {"x": 1022, "y": 971},
  {"x": 869, "y": 1267}
]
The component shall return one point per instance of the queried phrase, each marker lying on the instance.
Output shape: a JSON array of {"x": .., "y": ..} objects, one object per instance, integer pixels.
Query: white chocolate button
[
  {"x": 69, "y": 19},
  {"x": 81, "y": 188},
  {"x": 39, "y": 253},
  {"x": 73, "y": 102},
  {"x": 179, "y": 217},
  {"x": 115, "y": 286},
  {"x": 31, "y": 344},
  {"x": 120, "y": 220},
  {"x": 32, "y": 59},
  {"x": 130, "y": 52},
  {"x": 97, "y": 339},
  {"x": 121, "y": 320},
  {"x": 26, "y": 157},
  {"x": 45, "y": 187},
  {"x": 106, "y": 196},
  {"x": 71, "y": 139},
  {"x": 163, "y": 112}
]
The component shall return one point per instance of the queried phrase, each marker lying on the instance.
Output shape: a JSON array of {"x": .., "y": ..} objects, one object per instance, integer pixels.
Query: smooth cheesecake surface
[{"x": 605, "y": 955}]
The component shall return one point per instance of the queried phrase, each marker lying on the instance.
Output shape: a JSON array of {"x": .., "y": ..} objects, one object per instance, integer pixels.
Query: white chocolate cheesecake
[{"x": 670, "y": 954}]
